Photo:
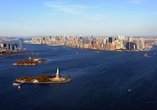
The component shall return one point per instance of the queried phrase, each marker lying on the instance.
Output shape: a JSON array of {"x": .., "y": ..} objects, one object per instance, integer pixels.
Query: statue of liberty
[{"x": 57, "y": 70}]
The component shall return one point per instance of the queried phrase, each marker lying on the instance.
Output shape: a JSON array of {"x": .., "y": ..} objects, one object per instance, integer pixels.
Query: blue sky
[{"x": 82, "y": 17}]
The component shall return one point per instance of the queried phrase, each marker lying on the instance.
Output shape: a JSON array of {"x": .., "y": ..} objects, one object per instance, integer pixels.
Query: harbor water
[{"x": 102, "y": 80}]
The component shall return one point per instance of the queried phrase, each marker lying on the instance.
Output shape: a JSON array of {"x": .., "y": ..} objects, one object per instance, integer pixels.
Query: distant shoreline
[{"x": 19, "y": 54}]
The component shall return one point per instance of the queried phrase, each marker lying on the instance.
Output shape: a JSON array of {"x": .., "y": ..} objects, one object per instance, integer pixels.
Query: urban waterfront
[{"x": 111, "y": 80}]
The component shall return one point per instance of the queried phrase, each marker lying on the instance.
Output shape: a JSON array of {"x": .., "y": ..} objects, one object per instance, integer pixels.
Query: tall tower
[
  {"x": 21, "y": 44},
  {"x": 110, "y": 39},
  {"x": 141, "y": 44},
  {"x": 72, "y": 37},
  {"x": 138, "y": 44}
]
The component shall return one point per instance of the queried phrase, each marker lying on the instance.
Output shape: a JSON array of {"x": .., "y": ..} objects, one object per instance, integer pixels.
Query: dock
[
  {"x": 68, "y": 76},
  {"x": 18, "y": 84}
]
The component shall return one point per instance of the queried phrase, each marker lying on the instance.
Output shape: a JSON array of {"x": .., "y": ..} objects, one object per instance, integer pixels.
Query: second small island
[{"x": 27, "y": 62}]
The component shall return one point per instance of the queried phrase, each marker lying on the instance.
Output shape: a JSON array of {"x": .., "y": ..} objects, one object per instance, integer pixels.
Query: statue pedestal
[{"x": 57, "y": 76}]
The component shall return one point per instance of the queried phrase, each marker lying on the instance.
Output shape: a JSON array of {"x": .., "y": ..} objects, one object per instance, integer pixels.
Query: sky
[{"x": 78, "y": 17}]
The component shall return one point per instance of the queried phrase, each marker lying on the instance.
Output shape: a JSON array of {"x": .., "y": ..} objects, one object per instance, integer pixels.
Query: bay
[{"x": 100, "y": 80}]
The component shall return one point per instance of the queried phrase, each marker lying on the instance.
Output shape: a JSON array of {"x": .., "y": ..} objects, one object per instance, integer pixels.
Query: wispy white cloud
[
  {"x": 61, "y": 6},
  {"x": 79, "y": 21},
  {"x": 94, "y": 18},
  {"x": 99, "y": 14},
  {"x": 23, "y": 18},
  {"x": 137, "y": 1},
  {"x": 91, "y": 18}
]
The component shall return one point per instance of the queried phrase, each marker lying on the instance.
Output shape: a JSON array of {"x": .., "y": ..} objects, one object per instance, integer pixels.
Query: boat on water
[
  {"x": 145, "y": 54},
  {"x": 52, "y": 45},
  {"x": 19, "y": 87},
  {"x": 16, "y": 84}
]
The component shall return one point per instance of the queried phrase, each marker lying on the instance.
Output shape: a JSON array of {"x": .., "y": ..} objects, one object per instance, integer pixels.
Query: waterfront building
[
  {"x": 105, "y": 40},
  {"x": 131, "y": 45},
  {"x": 33, "y": 39},
  {"x": 141, "y": 43},
  {"x": 2, "y": 45},
  {"x": 43, "y": 38},
  {"x": 15, "y": 47},
  {"x": 9, "y": 46},
  {"x": 138, "y": 44},
  {"x": 121, "y": 37},
  {"x": 83, "y": 42},
  {"x": 21, "y": 44},
  {"x": 110, "y": 40},
  {"x": 72, "y": 37},
  {"x": 130, "y": 39},
  {"x": 50, "y": 37},
  {"x": 106, "y": 43}
]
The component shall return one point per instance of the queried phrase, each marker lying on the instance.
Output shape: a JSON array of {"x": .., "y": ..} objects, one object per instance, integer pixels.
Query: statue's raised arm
[{"x": 57, "y": 70}]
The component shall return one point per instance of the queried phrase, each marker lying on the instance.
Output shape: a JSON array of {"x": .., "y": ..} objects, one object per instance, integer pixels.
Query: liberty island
[{"x": 44, "y": 79}]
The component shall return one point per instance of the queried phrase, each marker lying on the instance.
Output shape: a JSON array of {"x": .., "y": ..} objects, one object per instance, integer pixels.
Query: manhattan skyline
[{"x": 64, "y": 17}]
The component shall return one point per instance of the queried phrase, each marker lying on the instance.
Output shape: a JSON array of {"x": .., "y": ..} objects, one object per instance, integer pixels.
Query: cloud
[
  {"x": 79, "y": 21},
  {"x": 136, "y": 1},
  {"x": 94, "y": 18},
  {"x": 90, "y": 18},
  {"x": 23, "y": 18},
  {"x": 61, "y": 6},
  {"x": 99, "y": 14}
]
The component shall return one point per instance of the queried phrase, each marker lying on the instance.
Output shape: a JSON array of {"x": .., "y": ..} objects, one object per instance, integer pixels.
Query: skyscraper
[
  {"x": 21, "y": 44},
  {"x": 141, "y": 43},
  {"x": 50, "y": 37},
  {"x": 110, "y": 39}
]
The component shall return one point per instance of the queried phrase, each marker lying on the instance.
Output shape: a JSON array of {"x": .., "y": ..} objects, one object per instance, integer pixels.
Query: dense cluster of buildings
[
  {"x": 2, "y": 39},
  {"x": 11, "y": 47},
  {"x": 99, "y": 43}
]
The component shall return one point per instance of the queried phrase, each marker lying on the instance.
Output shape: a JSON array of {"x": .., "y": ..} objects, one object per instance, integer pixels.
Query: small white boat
[
  {"x": 15, "y": 84},
  {"x": 129, "y": 90},
  {"x": 19, "y": 87}
]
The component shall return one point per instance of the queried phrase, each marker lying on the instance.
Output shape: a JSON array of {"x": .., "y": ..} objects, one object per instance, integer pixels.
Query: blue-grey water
[{"x": 100, "y": 80}]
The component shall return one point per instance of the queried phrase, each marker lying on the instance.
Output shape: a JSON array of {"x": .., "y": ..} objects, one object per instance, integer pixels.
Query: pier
[{"x": 68, "y": 76}]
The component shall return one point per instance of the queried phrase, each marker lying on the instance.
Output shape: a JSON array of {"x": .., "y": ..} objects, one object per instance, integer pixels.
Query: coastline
[
  {"x": 69, "y": 80},
  {"x": 51, "y": 82},
  {"x": 19, "y": 54},
  {"x": 106, "y": 50}
]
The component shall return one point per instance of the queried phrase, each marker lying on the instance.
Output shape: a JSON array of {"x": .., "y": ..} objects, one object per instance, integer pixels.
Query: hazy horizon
[{"x": 76, "y": 35}]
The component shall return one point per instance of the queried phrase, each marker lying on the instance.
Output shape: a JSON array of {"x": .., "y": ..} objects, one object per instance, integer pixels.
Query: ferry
[
  {"x": 15, "y": 84},
  {"x": 145, "y": 54}
]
